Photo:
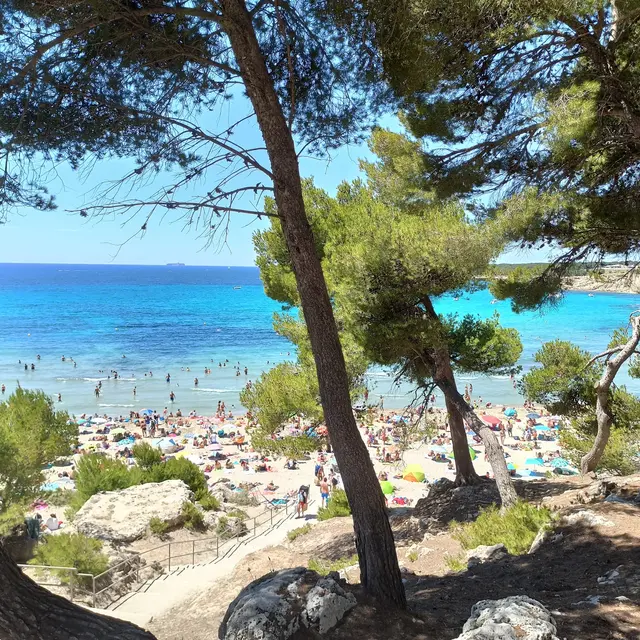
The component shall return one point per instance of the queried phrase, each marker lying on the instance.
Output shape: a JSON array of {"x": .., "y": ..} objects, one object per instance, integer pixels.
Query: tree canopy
[
  {"x": 528, "y": 111},
  {"x": 32, "y": 435}
]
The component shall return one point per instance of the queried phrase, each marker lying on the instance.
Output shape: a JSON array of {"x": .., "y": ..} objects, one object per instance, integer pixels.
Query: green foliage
[
  {"x": 299, "y": 531},
  {"x": 294, "y": 447},
  {"x": 96, "y": 473},
  {"x": 455, "y": 563},
  {"x": 238, "y": 513},
  {"x": 158, "y": 527},
  {"x": 516, "y": 528},
  {"x": 337, "y": 506},
  {"x": 324, "y": 567},
  {"x": 12, "y": 518},
  {"x": 208, "y": 502},
  {"x": 179, "y": 469},
  {"x": 223, "y": 529},
  {"x": 192, "y": 517},
  {"x": 621, "y": 455},
  {"x": 32, "y": 435},
  {"x": 146, "y": 456},
  {"x": 412, "y": 556},
  {"x": 72, "y": 550},
  {"x": 58, "y": 497},
  {"x": 562, "y": 382}
]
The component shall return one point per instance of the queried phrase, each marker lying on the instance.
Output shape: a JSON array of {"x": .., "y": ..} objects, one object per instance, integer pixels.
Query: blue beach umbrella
[
  {"x": 533, "y": 415},
  {"x": 147, "y": 412},
  {"x": 510, "y": 412},
  {"x": 534, "y": 462},
  {"x": 559, "y": 463},
  {"x": 541, "y": 427},
  {"x": 511, "y": 466}
]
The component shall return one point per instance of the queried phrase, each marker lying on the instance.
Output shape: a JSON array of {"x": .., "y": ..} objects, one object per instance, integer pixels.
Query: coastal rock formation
[
  {"x": 123, "y": 516},
  {"x": 513, "y": 618},
  {"x": 277, "y": 605},
  {"x": 236, "y": 496},
  {"x": 485, "y": 553}
]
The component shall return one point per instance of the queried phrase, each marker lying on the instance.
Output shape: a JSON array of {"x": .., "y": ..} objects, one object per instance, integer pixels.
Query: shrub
[
  {"x": 146, "y": 456},
  {"x": 72, "y": 550},
  {"x": 455, "y": 563},
  {"x": 12, "y": 518},
  {"x": 300, "y": 531},
  {"x": 239, "y": 514},
  {"x": 323, "y": 567},
  {"x": 157, "y": 526},
  {"x": 619, "y": 457},
  {"x": 516, "y": 528},
  {"x": 208, "y": 502},
  {"x": 337, "y": 506},
  {"x": 179, "y": 469},
  {"x": 412, "y": 556},
  {"x": 192, "y": 517},
  {"x": 97, "y": 473}
]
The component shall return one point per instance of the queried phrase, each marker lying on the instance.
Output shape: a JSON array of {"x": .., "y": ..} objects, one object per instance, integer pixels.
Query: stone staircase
[{"x": 158, "y": 595}]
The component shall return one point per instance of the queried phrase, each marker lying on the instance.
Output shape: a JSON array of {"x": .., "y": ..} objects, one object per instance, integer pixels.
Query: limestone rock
[
  {"x": 275, "y": 606},
  {"x": 485, "y": 553},
  {"x": 586, "y": 517},
  {"x": 539, "y": 540},
  {"x": 123, "y": 516},
  {"x": 513, "y": 618}
]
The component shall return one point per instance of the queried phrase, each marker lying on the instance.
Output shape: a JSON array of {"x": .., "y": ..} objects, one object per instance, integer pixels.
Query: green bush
[
  {"x": 179, "y": 469},
  {"x": 337, "y": 506},
  {"x": 157, "y": 526},
  {"x": 455, "y": 563},
  {"x": 323, "y": 567},
  {"x": 72, "y": 550},
  {"x": 146, "y": 456},
  {"x": 516, "y": 528},
  {"x": 97, "y": 473},
  {"x": 300, "y": 531},
  {"x": 208, "y": 502},
  {"x": 619, "y": 457},
  {"x": 192, "y": 517},
  {"x": 238, "y": 513},
  {"x": 12, "y": 518},
  {"x": 412, "y": 556}
]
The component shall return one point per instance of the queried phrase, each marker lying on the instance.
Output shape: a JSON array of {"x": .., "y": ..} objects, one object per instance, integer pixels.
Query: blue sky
[{"x": 63, "y": 237}]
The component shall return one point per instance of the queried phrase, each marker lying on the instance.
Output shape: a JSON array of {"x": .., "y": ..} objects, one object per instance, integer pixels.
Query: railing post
[
  {"x": 169, "y": 557},
  {"x": 93, "y": 581},
  {"x": 71, "y": 583},
  {"x": 271, "y": 514},
  {"x": 217, "y": 547},
  {"x": 254, "y": 527},
  {"x": 193, "y": 552}
]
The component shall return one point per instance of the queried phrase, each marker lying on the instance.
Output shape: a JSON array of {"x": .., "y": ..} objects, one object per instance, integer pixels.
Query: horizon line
[{"x": 139, "y": 264}]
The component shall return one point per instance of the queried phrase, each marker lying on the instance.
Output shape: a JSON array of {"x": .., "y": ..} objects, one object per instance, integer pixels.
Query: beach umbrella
[
  {"x": 533, "y": 415},
  {"x": 117, "y": 431},
  {"x": 510, "y": 412},
  {"x": 559, "y": 463},
  {"x": 472, "y": 453},
  {"x": 147, "y": 412},
  {"x": 438, "y": 448},
  {"x": 541, "y": 427},
  {"x": 387, "y": 487},
  {"x": 98, "y": 420},
  {"x": 413, "y": 473},
  {"x": 534, "y": 462},
  {"x": 511, "y": 466},
  {"x": 490, "y": 420}
]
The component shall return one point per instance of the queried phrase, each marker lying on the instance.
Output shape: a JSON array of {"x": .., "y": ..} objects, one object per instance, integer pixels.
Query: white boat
[{"x": 237, "y": 287}]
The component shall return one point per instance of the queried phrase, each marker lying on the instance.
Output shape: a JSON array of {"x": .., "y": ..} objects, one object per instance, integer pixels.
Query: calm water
[{"x": 169, "y": 319}]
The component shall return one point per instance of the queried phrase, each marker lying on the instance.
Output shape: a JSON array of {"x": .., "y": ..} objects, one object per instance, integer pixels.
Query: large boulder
[
  {"x": 485, "y": 553},
  {"x": 123, "y": 516},
  {"x": 277, "y": 605},
  {"x": 513, "y": 618}
]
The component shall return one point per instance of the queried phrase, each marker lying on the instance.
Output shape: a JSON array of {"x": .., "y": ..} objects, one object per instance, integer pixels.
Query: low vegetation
[
  {"x": 455, "y": 563},
  {"x": 300, "y": 531},
  {"x": 157, "y": 526},
  {"x": 12, "y": 518},
  {"x": 516, "y": 528},
  {"x": 208, "y": 502},
  {"x": 337, "y": 506},
  {"x": 192, "y": 517},
  {"x": 324, "y": 567},
  {"x": 239, "y": 514},
  {"x": 412, "y": 556},
  {"x": 72, "y": 550}
]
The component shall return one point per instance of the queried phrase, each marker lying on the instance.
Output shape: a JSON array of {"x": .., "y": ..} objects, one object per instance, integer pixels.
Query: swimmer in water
[{"x": 172, "y": 396}]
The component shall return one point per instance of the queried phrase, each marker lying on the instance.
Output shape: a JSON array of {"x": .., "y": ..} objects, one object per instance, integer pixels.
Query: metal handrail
[
  {"x": 74, "y": 574},
  {"x": 135, "y": 557}
]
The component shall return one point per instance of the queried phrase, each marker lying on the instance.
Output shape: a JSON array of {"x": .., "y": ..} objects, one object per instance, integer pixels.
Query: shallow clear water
[{"x": 168, "y": 319}]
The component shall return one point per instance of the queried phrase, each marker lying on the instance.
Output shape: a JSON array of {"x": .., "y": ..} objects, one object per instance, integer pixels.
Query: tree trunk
[
  {"x": 380, "y": 573},
  {"x": 494, "y": 451},
  {"x": 604, "y": 418},
  {"x": 30, "y": 612},
  {"x": 465, "y": 473}
]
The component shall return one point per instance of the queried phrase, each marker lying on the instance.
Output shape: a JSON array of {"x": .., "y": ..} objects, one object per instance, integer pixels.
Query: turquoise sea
[{"x": 168, "y": 319}]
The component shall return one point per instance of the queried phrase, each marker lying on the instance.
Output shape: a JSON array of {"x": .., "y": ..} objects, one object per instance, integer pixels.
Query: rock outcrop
[
  {"x": 513, "y": 618},
  {"x": 277, "y": 605},
  {"x": 123, "y": 516},
  {"x": 485, "y": 553}
]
